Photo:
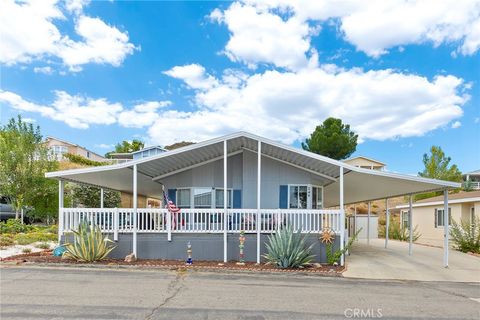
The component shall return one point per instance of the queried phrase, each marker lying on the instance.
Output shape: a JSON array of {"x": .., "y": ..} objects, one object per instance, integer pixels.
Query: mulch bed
[{"x": 46, "y": 257}]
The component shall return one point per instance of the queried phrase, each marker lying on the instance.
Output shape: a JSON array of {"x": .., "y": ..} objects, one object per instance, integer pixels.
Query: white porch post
[
  {"x": 61, "y": 191},
  {"x": 135, "y": 195},
  {"x": 410, "y": 223},
  {"x": 355, "y": 218},
  {"x": 387, "y": 222},
  {"x": 225, "y": 200},
  {"x": 446, "y": 228},
  {"x": 368, "y": 221},
  {"x": 259, "y": 180},
  {"x": 101, "y": 198},
  {"x": 342, "y": 219}
]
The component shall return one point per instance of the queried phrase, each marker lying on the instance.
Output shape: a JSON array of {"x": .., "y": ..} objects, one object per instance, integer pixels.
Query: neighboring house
[
  {"x": 143, "y": 153},
  {"x": 238, "y": 182},
  {"x": 365, "y": 163},
  {"x": 59, "y": 147},
  {"x": 472, "y": 180},
  {"x": 428, "y": 214}
]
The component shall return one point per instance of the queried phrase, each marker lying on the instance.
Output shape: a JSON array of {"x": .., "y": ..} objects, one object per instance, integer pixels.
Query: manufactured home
[{"x": 238, "y": 182}]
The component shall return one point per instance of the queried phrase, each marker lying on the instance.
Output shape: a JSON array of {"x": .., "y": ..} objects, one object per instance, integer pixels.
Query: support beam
[
  {"x": 342, "y": 218},
  {"x": 355, "y": 218},
  {"x": 61, "y": 191},
  {"x": 259, "y": 186},
  {"x": 446, "y": 228},
  {"x": 387, "y": 222},
  {"x": 101, "y": 198},
  {"x": 410, "y": 224},
  {"x": 225, "y": 200},
  {"x": 368, "y": 221},
  {"x": 135, "y": 217}
]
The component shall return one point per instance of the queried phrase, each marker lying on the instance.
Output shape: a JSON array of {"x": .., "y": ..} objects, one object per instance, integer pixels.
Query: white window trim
[
  {"x": 213, "y": 190},
  {"x": 309, "y": 193},
  {"x": 449, "y": 216},
  {"x": 402, "y": 213}
]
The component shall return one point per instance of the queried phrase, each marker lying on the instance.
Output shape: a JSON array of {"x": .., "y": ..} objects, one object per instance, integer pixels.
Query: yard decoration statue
[
  {"x": 189, "y": 253},
  {"x": 327, "y": 236},
  {"x": 58, "y": 251},
  {"x": 241, "y": 246}
]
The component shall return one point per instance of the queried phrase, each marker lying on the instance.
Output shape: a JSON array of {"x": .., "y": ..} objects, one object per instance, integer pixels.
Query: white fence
[{"x": 120, "y": 220}]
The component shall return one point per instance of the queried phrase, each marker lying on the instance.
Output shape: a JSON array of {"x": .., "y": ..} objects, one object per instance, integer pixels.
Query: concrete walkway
[{"x": 426, "y": 264}]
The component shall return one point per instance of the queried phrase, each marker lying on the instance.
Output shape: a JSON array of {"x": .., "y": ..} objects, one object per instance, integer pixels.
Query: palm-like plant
[
  {"x": 89, "y": 245},
  {"x": 287, "y": 249}
]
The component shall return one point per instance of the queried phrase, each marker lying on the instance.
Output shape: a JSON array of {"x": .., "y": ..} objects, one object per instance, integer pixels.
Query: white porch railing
[{"x": 120, "y": 220}]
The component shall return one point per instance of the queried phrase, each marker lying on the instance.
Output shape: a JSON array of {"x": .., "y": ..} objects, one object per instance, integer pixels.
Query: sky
[{"x": 403, "y": 74}]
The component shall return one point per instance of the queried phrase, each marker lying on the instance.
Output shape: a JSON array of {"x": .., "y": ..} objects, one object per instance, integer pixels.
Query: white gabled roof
[{"x": 360, "y": 184}]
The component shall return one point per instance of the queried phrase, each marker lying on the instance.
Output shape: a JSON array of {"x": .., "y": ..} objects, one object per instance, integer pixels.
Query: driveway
[
  {"x": 425, "y": 264},
  {"x": 80, "y": 293}
]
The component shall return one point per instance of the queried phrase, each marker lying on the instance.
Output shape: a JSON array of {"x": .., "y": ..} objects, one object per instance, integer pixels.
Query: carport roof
[{"x": 359, "y": 184}]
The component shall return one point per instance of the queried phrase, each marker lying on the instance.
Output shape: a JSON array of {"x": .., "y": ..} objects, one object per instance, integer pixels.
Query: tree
[
  {"x": 24, "y": 159},
  {"x": 437, "y": 166},
  {"x": 127, "y": 147},
  {"x": 89, "y": 197},
  {"x": 177, "y": 145},
  {"x": 332, "y": 139}
]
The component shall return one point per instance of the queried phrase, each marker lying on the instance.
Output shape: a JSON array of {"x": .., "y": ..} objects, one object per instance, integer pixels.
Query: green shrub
[
  {"x": 26, "y": 250},
  {"x": 89, "y": 245},
  {"x": 287, "y": 249},
  {"x": 43, "y": 245},
  {"x": 84, "y": 161},
  {"x": 14, "y": 226},
  {"x": 6, "y": 240},
  {"x": 466, "y": 236},
  {"x": 36, "y": 236},
  {"x": 396, "y": 232},
  {"x": 334, "y": 257}
]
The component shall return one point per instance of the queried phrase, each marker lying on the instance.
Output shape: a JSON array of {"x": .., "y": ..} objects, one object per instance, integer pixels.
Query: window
[
  {"x": 439, "y": 220},
  {"x": 88, "y": 154},
  {"x": 317, "y": 195},
  {"x": 405, "y": 216},
  {"x": 472, "y": 215},
  {"x": 202, "y": 197},
  {"x": 183, "y": 198},
  {"x": 298, "y": 197},
  {"x": 305, "y": 197},
  {"x": 219, "y": 198}
]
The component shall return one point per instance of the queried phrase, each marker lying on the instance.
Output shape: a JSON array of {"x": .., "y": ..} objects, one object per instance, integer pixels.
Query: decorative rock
[
  {"x": 220, "y": 264},
  {"x": 335, "y": 264},
  {"x": 317, "y": 265},
  {"x": 130, "y": 258},
  {"x": 240, "y": 263}
]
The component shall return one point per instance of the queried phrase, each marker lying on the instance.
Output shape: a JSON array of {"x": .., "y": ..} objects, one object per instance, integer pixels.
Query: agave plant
[
  {"x": 287, "y": 249},
  {"x": 89, "y": 244}
]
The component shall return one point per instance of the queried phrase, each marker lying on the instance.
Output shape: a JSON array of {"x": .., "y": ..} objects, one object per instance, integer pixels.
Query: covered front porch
[{"x": 267, "y": 178}]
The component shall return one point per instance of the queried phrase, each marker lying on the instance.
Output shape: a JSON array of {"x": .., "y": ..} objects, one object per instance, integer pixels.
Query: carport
[{"x": 342, "y": 184}]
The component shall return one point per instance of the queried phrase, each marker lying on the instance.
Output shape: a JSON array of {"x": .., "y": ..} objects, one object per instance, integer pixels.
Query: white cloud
[
  {"x": 81, "y": 112},
  {"x": 456, "y": 124},
  {"x": 194, "y": 76},
  {"x": 44, "y": 70},
  {"x": 259, "y": 36},
  {"x": 279, "y": 32},
  {"x": 29, "y": 32},
  {"x": 287, "y": 106},
  {"x": 29, "y": 120},
  {"x": 142, "y": 115},
  {"x": 104, "y": 146}
]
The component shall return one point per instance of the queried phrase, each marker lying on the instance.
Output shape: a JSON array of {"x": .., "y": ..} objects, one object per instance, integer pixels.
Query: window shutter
[
  {"x": 436, "y": 218},
  {"x": 283, "y": 197},
  {"x": 237, "y": 199},
  {"x": 449, "y": 216},
  {"x": 172, "y": 195}
]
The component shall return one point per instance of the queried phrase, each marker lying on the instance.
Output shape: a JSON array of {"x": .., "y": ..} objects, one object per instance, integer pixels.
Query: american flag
[{"x": 174, "y": 210}]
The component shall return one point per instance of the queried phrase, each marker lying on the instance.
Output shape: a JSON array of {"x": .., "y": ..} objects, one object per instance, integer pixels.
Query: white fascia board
[{"x": 435, "y": 203}]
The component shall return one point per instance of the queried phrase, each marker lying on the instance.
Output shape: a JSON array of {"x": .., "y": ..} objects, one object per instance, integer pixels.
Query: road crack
[{"x": 173, "y": 289}]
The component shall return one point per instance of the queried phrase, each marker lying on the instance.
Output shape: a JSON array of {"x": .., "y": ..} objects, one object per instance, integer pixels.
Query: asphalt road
[{"x": 54, "y": 293}]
